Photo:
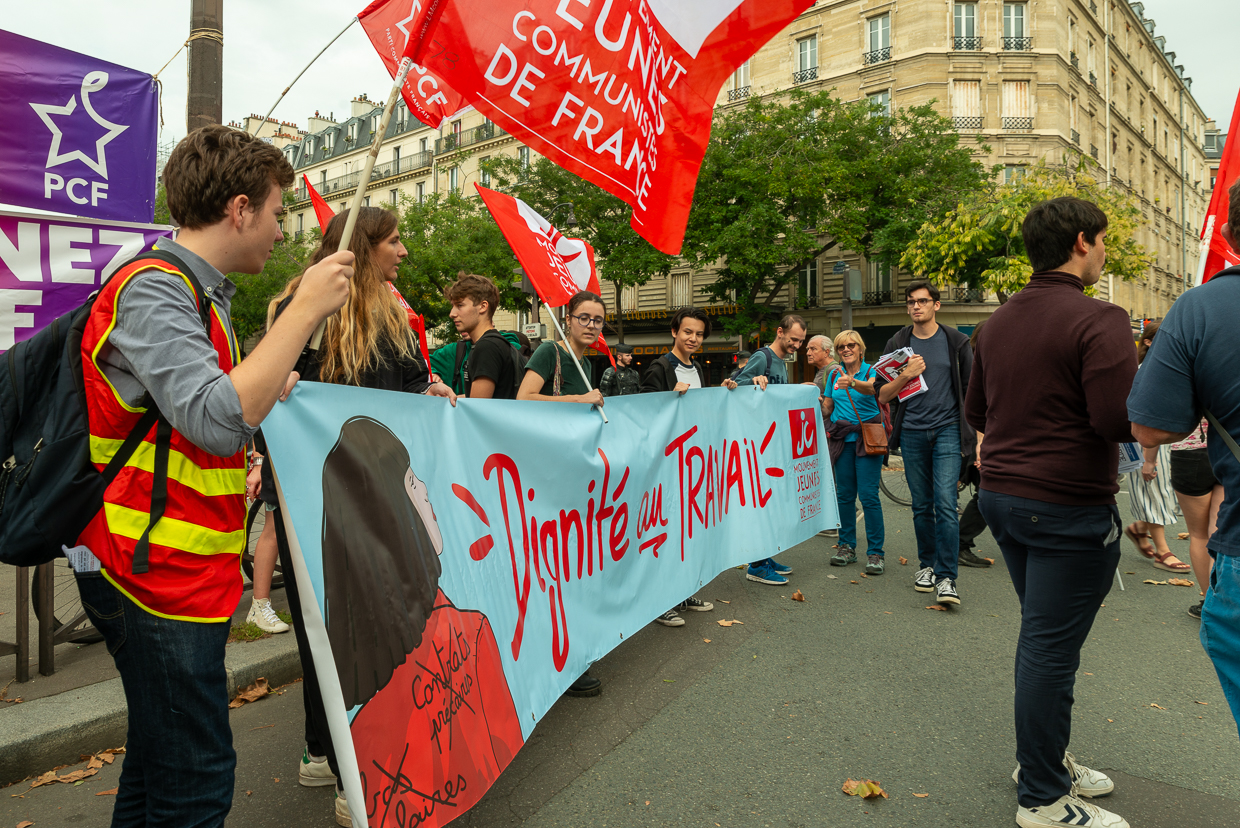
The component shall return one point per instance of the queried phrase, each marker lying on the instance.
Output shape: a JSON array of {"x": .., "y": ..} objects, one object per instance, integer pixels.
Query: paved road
[{"x": 761, "y": 726}]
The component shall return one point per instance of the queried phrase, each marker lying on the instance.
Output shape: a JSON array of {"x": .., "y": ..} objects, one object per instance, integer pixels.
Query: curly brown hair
[{"x": 214, "y": 164}]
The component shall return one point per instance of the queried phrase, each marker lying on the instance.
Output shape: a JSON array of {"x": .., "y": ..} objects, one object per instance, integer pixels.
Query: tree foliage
[
  {"x": 979, "y": 243},
  {"x": 785, "y": 180},
  {"x": 623, "y": 258}
]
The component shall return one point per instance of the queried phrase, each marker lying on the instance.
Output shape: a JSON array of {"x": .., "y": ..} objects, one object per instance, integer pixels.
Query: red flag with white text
[
  {"x": 619, "y": 92},
  {"x": 556, "y": 265},
  {"x": 386, "y": 23},
  {"x": 322, "y": 211},
  {"x": 1217, "y": 252}
]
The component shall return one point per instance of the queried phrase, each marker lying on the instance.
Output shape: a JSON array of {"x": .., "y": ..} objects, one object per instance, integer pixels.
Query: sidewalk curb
[{"x": 39, "y": 735}]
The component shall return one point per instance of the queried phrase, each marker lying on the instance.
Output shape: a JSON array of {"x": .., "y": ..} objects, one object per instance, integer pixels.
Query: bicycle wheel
[
  {"x": 255, "y": 520},
  {"x": 893, "y": 482},
  {"x": 69, "y": 621}
]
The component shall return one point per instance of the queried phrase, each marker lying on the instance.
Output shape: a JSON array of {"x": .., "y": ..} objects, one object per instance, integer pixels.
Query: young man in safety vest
[{"x": 160, "y": 577}]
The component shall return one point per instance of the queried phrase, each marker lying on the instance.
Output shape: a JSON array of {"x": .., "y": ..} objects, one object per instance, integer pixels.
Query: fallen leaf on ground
[
  {"x": 114, "y": 751},
  {"x": 797, "y": 596},
  {"x": 921, "y": 796},
  {"x": 1089, "y": 674},
  {"x": 854, "y": 582},
  {"x": 886, "y": 612},
  {"x": 707, "y": 640},
  {"x": 720, "y": 600},
  {"x": 903, "y": 560},
  {"x": 864, "y": 788},
  {"x": 1182, "y": 536},
  {"x": 863, "y": 575},
  {"x": 254, "y": 692},
  {"x": 1159, "y": 706},
  {"x": 108, "y": 757},
  {"x": 723, "y": 623},
  {"x": 1111, "y": 720},
  {"x": 669, "y": 681},
  {"x": 832, "y": 577},
  {"x": 75, "y": 776},
  {"x": 25, "y": 824},
  {"x": 1155, "y": 583},
  {"x": 95, "y": 762},
  {"x": 992, "y": 560},
  {"x": 1202, "y": 702},
  {"x": 108, "y": 792},
  {"x": 1179, "y": 582},
  {"x": 938, "y": 607}
]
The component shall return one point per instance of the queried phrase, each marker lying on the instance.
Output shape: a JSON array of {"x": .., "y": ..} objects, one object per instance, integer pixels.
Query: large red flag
[
  {"x": 387, "y": 23},
  {"x": 556, "y": 265},
  {"x": 322, "y": 211},
  {"x": 619, "y": 92},
  {"x": 1216, "y": 252}
]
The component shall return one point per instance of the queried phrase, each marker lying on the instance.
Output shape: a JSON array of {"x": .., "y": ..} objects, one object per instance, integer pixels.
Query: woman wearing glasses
[
  {"x": 849, "y": 403},
  {"x": 550, "y": 375}
]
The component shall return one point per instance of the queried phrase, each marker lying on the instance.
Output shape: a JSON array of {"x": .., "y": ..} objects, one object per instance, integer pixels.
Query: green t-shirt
[{"x": 543, "y": 364}]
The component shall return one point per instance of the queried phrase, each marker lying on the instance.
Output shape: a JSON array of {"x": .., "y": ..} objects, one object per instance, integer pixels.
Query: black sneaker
[
  {"x": 585, "y": 686},
  {"x": 967, "y": 558},
  {"x": 945, "y": 591},
  {"x": 695, "y": 604},
  {"x": 923, "y": 581},
  {"x": 1195, "y": 610},
  {"x": 670, "y": 619}
]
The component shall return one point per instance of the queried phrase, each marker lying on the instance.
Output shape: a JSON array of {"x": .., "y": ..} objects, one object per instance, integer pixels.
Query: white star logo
[{"x": 93, "y": 82}]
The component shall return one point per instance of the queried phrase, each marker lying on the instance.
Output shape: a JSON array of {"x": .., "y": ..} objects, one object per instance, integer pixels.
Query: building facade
[{"x": 1031, "y": 79}]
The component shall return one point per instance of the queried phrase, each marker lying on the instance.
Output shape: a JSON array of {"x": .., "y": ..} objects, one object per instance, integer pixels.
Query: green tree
[
  {"x": 979, "y": 243},
  {"x": 622, "y": 257},
  {"x": 785, "y": 180}
]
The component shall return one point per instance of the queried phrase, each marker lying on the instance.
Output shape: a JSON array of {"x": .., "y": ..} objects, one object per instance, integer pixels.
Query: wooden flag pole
[
  {"x": 1205, "y": 252},
  {"x": 401, "y": 73},
  {"x": 576, "y": 361}
]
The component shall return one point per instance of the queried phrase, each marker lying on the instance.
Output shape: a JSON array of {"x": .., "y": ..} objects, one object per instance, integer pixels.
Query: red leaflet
[
  {"x": 556, "y": 265},
  {"x": 620, "y": 92}
]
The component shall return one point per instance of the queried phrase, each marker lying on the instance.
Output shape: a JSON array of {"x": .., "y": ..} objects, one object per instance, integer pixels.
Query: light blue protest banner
[{"x": 461, "y": 567}]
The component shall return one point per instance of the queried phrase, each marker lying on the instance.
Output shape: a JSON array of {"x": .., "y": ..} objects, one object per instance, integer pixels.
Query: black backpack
[
  {"x": 518, "y": 361},
  {"x": 49, "y": 489}
]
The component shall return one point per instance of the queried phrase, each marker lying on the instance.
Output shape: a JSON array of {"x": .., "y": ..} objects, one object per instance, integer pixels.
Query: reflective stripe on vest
[{"x": 196, "y": 545}]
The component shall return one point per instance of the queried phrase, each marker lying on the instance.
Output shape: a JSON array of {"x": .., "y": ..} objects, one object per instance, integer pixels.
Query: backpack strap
[
  {"x": 163, "y": 428},
  {"x": 460, "y": 361},
  {"x": 1227, "y": 438}
]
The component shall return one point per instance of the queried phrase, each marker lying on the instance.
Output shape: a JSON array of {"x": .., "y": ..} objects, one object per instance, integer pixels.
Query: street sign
[{"x": 840, "y": 267}]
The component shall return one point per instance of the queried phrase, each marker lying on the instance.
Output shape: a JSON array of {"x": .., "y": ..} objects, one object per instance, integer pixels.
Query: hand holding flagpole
[
  {"x": 364, "y": 181},
  {"x": 576, "y": 361}
]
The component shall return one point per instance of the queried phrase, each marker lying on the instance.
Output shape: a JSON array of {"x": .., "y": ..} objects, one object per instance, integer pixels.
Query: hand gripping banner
[
  {"x": 619, "y": 92},
  {"x": 455, "y": 582}
]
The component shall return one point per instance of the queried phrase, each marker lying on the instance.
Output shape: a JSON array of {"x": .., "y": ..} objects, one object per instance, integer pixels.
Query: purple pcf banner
[
  {"x": 79, "y": 133},
  {"x": 50, "y": 265}
]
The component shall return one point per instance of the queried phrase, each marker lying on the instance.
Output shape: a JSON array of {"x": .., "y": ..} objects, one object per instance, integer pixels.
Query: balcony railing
[
  {"x": 968, "y": 121},
  {"x": 967, "y": 294},
  {"x": 408, "y": 164},
  {"x": 876, "y": 297},
  {"x": 467, "y": 137},
  {"x": 738, "y": 94},
  {"x": 1017, "y": 44},
  {"x": 804, "y": 76},
  {"x": 1074, "y": 60},
  {"x": 1018, "y": 123},
  {"x": 1093, "y": 151},
  {"x": 876, "y": 56},
  {"x": 1076, "y": 137},
  {"x": 968, "y": 44}
]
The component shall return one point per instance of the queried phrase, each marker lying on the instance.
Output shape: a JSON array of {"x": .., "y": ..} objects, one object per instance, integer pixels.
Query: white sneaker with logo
[
  {"x": 314, "y": 772},
  {"x": 343, "y": 817},
  {"x": 1068, "y": 810},
  {"x": 264, "y": 617},
  {"x": 1086, "y": 782}
]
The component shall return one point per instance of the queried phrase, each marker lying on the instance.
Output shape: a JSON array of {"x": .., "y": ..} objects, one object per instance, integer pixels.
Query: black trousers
[
  {"x": 1062, "y": 560},
  {"x": 972, "y": 523},
  {"x": 318, "y": 736}
]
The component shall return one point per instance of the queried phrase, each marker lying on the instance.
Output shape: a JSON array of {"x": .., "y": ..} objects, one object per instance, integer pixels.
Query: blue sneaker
[
  {"x": 778, "y": 567},
  {"x": 763, "y": 573}
]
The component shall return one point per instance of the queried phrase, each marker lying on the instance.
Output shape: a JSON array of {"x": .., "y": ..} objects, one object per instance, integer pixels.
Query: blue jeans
[
  {"x": 1220, "y": 626},
  {"x": 179, "y": 758},
  {"x": 1062, "y": 561},
  {"x": 858, "y": 477},
  {"x": 932, "y": 468}
]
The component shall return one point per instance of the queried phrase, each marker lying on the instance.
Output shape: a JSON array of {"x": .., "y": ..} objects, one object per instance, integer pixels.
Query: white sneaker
[
  {"x": 1086, "y": 782},
  {"x": 1070, "y": 811},
  {"x": 264, "y": 617},
  {"x": 314, "y": 773},
  {"x": 923, "y": 581},
  {"x": 343, "y": 817}
]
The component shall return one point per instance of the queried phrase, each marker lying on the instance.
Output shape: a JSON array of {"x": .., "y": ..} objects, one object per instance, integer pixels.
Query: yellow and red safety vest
[{"x": 195, "y": 549}]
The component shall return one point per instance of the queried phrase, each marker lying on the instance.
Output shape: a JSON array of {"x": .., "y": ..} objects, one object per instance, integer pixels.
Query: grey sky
[{"x": 266, "y": 43}]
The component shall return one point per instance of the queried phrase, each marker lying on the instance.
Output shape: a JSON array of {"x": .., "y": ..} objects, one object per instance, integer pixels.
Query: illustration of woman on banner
[{"x": 437, "y": 722}]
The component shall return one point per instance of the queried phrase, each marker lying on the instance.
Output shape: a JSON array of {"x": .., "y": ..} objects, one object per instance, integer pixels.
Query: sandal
[
  {"x": 1160, "y": 562},
  {"x": 1133, "y": 535}
]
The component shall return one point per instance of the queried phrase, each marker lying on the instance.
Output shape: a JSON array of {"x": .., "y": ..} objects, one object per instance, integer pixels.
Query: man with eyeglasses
[
  {"x": 930, "y": 431},
  {"x": 765, "y": 367}
]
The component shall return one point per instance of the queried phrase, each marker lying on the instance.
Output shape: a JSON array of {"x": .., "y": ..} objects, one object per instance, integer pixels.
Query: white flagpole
[
  {"x": 580, "y": 370},
  {"x": 1205, "y": 251},
  {"x": 369, "y": 167}
]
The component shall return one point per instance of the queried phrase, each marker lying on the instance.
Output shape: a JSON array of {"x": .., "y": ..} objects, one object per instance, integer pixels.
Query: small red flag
[
  {"x": 416, "y": 322},
  {"x": 600, "y": 344},
  {"x": 556, "y": 265},
  {"x": 1217, "y": 252},
  {"x": 322, "y": 211}
]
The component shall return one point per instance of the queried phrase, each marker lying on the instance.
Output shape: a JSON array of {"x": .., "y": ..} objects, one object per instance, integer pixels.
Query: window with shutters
[
  {"x": 682, "y": 290},
  {"x": 628, "y": 298},
  {"x": 967, "y": 104},
  {"x": 1016, "y": 105}
]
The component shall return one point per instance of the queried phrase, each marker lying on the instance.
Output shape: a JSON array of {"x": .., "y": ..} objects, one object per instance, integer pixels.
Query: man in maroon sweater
[{"x": 1050, "y": 378}]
